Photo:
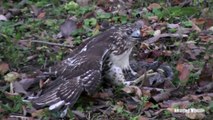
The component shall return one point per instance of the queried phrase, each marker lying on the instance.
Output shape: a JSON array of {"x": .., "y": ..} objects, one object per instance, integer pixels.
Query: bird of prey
[{"x": 82, "y": 71}]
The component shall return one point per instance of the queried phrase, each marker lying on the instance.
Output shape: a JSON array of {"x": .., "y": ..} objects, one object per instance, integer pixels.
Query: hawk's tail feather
[{"x": 65, "y": 93}]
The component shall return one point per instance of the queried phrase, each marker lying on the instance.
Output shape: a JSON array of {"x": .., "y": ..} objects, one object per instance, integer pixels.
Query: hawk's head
[{"x": 125, "y": 37}]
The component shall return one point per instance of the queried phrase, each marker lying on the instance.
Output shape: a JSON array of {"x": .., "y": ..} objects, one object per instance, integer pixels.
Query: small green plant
[
  {"x": 101, "y": 15},
  {"x": 156, "y": 106},
  {"x": 211, "y": 106},
  {"x": 14, "y": 104},
  {"x": 193, "y": 78},
  {"x": 71, "y": 6},
  {"x": 120, "y": 19},
  {"x": 91, "y": 22},
  {"x": 187, "y": 23},
  {"x": 167, "y": 113},
  {"x": 144, "y": 100}
]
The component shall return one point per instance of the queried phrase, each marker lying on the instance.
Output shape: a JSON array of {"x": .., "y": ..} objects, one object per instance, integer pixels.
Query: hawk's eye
[{"x": 129, "y": 32}]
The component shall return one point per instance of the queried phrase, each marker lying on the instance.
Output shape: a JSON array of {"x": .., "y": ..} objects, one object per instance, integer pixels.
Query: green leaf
[
  {"x": 101, "y": 15},
  {"x": 187, "y": 23},
  {"x": 71, "y": 6},
  {"x": 157, "y": 11},
  {"x": 119, "y": 109},
  {"x": 90, "y": 22},
  {"x": 123, "y": 19},
  {"x": 172, "y": 30},
  {"x": 179, "y": 11}
]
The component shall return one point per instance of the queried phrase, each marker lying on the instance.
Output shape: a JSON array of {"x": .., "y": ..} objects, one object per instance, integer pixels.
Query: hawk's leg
[
  {"x": 117, "y": 75},
  {"x": 141, "y": 78}
]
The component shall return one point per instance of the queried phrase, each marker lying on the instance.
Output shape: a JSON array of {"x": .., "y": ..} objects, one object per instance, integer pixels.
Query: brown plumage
[{"x": 82, "y": 69}]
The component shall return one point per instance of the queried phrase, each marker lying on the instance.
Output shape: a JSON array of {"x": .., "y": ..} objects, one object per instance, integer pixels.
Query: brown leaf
[
  {"x": 69, "y": 41},
  {"x": 28, "y": 82},
  {"x": 153, "y": 18},
  {"x": 206, "y": 88},
  {"x": 120, "y": 103},
  {"x": 195, "y": 116},
  {"x": 38, "y": 113},
  {"x": 3, "y": 18},
  {"x": 143, "y": 118},
  {"x": 184, "y": 72},
  {"x": 131, "y": 107},
  {"x": 82, "y": 2},
  {"x": 175, "y": 103},
  {"x": 162, "y": 96},
  {"x": 209, "y": 23},
  {"x": 18, "y": 88},
  {"x": 153, "y": 5},
  {"x": 35, "y": 10},
  {"x": 4, "y": 67},
  {"x": 146, "y": 31},
  {"x": 194, "y": 98},
  {"x": 107, "y": 94},
  {"x": 148, "y": 105},
  {"x": 206, "y": 75},
  {"x": 68, "y": 27},
  {"x": 195, "y": 27},
  {"x": 198, "y": 21},
  {"x": 41, "y": 15},
  {"x": 133, "y": 89},
  {"x": 12, "y": 76},
  {"x": 191, "y": 51},
  {"x": 206, "y": 38}
]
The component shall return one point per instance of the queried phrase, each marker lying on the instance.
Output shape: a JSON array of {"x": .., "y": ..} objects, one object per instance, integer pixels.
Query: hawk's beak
[{"x": 136, "y": 34}]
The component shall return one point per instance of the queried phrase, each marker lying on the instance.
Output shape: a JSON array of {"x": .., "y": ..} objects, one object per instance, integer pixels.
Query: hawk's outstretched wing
[{"x": 82, "y": 70}]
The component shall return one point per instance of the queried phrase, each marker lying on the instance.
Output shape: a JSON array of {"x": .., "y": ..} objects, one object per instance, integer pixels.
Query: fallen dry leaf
[
  {"x": 133, "y": 89},
  {"x": 3, "y": 18},
  {"x": 206, "y": 74},
  {"x": 195, "y": 27},
  {"x": 191, "y": 51},
  {"x": 82, "y": 2},
  {"x": 157, "y": 32},
  {"x": 12, "y": 76},
  {"x": 184, "y": 72},
  {"x": 28, "y": 82},
  {"x": 131, "y": 107},
  {"x": 198, "y": 21},
  {"x": 4, "y": 67},
  {"x": 206, "y": 38},
  {"x": 38, "y": 113},
  {"x": 68, "y": 27},
  {"x": 205, "y": 88},
  {"x": 153, "y": 18},
  {"x": 154, "y": 6},
  {"x": 41, "y": 15},
  {"x": 173, "y": 26},
  {"x": 162, "y": 96},
  {"x": 175, "y": 103},
  {"x": 143, "y": 118},
  {"x": 106, "y": 94},
  {"x": 195, "y": 116},
  {"x": 18, "y": 88},
  {"x": 146, "y": 31}
]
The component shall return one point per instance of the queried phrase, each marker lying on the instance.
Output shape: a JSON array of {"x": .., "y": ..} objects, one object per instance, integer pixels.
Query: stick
[
  {"x": 51, "y": 43},
  {"x": 156, "y": 38}
]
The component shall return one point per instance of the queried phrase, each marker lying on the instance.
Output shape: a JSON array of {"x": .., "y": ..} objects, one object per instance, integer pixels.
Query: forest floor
[{"x": 177, "y": 46}]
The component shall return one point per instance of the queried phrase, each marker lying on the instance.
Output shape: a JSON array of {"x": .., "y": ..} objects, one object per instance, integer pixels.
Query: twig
[
  {"x": 156, "y": 38},
  {"x": 51, "y": 43}
]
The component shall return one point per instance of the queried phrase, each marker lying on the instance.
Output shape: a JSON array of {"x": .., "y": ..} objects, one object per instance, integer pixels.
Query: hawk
[{"x": 82, "y": 71}]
